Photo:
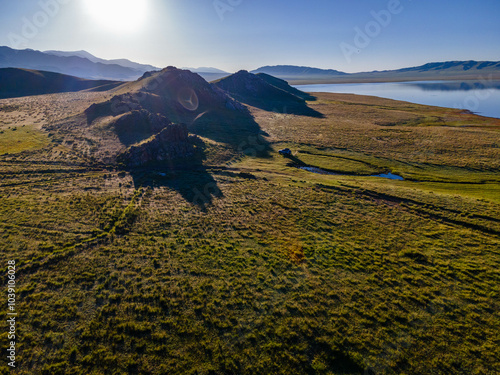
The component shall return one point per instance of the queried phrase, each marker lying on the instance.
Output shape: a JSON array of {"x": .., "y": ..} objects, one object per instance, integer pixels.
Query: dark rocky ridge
[
  {"x": 152, "y": 109},
  {"x": 137, "y": 125},
  {"x": 186, "y": 90},
  {"x": 146, "y": 115},
  {"x": 250, "y": 88},
  {"x": 170, "y": 146},
  {"x": 175, "y": 93},
  {"x": 267, "y": 93}
]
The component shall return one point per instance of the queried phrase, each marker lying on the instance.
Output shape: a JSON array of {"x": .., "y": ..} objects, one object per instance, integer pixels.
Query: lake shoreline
[
  {"x": 478, "y": 97},
  {"x": 361, "y": 79}
]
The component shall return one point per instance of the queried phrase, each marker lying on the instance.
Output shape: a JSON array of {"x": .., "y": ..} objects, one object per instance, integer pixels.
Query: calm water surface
[{"x": 481, "y": 97}]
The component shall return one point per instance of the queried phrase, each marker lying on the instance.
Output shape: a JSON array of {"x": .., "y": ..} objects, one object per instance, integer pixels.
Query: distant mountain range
[
  {"x": 209, "y": 74},
  {"x": 451, "y": 70},
  {"x": 293, "y": 72},
  {"x": 71, "y": 65},
  {"x": 85, "y": 65},
  {"x": 122, "y": 62},
  {"x": 206, "y": 70}
]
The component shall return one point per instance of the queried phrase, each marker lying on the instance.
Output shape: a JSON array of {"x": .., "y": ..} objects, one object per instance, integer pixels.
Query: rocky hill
[
  {"x": 172, "y": 146},
  {"x": 147, "y": 121},
  {"x": 178, "y": 94},
  {"x": 249, "y": 87},
  {"x": 265, "y": 92}
]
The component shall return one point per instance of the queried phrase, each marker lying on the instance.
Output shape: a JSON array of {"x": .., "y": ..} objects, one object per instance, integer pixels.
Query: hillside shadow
[
  {"x": 189, "y": 177},
  {"x": 299, "y": 107},
  {"x": 234, "y": 128},
  {"x": 307, "y": 96},
  {"x": 194, "y": 183}
]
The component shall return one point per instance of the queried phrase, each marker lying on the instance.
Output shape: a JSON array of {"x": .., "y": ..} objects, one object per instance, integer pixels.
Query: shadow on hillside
[
  {"x": 190, "y": 178},
  {"x": 307, "y": 96},
  {"x": 299, "y": 107},
  {"x": 194, "y": 183},
  {"x": 236, "y": 129}
]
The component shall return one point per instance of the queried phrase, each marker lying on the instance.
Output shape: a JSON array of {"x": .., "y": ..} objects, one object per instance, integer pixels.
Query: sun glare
[{"x": 121, "y": 16}]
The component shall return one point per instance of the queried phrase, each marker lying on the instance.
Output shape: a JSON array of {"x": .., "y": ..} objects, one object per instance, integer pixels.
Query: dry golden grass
[{"x": 45, "y": 109}]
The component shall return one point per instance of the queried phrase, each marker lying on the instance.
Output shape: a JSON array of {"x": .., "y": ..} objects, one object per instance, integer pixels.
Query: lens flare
[{"x": 188, "y": 99}]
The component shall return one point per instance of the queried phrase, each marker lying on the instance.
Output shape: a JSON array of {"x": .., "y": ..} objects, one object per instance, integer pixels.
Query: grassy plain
[{"x": 252, "y": 266}]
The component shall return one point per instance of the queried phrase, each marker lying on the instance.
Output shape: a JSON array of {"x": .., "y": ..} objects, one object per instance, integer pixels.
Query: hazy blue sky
[{"x": 348, "y": 35}]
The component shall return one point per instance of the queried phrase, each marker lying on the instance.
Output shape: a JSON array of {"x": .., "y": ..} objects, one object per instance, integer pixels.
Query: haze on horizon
[{"x": 243, "y": 34}]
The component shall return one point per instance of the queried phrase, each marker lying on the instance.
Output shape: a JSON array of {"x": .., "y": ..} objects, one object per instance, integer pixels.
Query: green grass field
[
  {"x": 253, "y": 266},
  {"x": 17, "y": 139}
]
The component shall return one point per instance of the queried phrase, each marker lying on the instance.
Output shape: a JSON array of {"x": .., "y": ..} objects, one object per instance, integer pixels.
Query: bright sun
[{"x": 121, "y": 16}]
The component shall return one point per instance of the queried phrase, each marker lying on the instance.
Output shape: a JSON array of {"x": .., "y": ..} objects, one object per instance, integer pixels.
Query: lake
[{"x": 481, "y": 97}]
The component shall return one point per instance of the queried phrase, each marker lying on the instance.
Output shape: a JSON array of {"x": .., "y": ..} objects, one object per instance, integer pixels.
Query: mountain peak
[{"x": 175, "y": 93}]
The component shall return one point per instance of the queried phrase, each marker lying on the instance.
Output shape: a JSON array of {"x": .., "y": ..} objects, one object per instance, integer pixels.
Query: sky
[{"x": 346, "y": 35}]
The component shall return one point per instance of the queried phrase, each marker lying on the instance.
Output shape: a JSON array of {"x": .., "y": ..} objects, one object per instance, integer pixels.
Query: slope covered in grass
[
  {"x": 249, "y": 265},
  {"x": 24, "y": 82}
]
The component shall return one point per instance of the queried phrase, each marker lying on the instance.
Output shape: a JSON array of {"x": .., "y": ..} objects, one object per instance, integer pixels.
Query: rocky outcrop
[
  {"x": 266, "y": 93},
  {"x": 251, "y": 89},
  {"x": 189, "y": 90},
  {"x": 138, "y": 125},
  {"x": 142, "y": 119},
  {"x": 120, "y": 104},
  {"x": 175, "y": 93},
  {"x": 171, "y": 146}
]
